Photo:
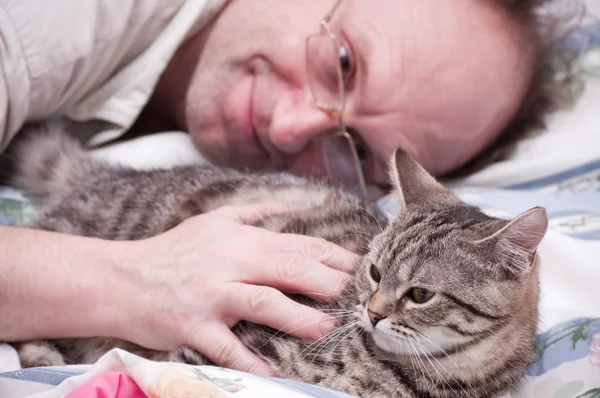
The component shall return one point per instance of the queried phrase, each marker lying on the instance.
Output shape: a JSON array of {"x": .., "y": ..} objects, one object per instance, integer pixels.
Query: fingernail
[
  {"x": 272, "y": 373},
  {"x": 266, "y": 371},
  {"x": 328, "y": 326}
]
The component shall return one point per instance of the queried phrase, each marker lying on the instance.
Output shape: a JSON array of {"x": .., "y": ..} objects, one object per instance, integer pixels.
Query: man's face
[{"x": 438, "y": 78}]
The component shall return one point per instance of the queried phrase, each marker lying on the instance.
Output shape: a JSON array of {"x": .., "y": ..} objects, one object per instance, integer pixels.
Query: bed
[{"x": 558, "y": 168}]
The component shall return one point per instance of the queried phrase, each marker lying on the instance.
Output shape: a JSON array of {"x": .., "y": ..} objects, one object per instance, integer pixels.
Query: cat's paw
[{"x": 39, "y": 353}]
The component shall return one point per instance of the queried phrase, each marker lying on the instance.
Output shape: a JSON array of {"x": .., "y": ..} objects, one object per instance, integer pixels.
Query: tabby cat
[{"x": 443, "y": 303}]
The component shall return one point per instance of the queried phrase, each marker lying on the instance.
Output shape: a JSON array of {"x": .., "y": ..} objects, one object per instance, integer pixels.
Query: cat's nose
[{"x": 374, "y": 317}]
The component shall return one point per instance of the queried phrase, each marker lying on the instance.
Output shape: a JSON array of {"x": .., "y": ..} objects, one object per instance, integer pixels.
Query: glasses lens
[
  {"x": 342, "y": 164},
  {"x": 324, "y": 73}
]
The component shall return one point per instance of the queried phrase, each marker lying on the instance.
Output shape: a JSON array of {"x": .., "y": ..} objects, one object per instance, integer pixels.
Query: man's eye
[{"x": 344, "y": 58}]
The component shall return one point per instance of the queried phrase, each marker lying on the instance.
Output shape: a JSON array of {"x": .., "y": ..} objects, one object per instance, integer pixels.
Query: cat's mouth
[
  {"x": 402, "y": 339},
  {"x": 397, "y": 339}
]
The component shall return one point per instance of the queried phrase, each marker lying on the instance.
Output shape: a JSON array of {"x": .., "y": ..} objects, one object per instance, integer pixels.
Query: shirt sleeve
[
  {"x": 14, "y": 81},
  {"x": 92, "y": 62}
]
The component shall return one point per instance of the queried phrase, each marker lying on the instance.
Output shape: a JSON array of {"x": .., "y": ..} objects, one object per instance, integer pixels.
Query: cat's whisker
[
  {"x": 415, "y": 362},
  {"x": 423, "y": 351},
  {"x": 352, "y": 330},
  {"x": 319, "y": 345},
  {"x": 282, "y": 332},
  {"x": 445, "y": 353},
  {"x": 369, "y": 213},
  {"x": 421, "y": 365},
  {"x": 436, "y": 345},
  {"x": 412, "y": 362},
  {"x": 366, "y": 236},
  {"x": 325, "y": 339},
  {"x": 365, "y": 248},
  {"x": 360, "y": 331},
  {"x": 342, "y": 330},
  {"x": 428, "y": 354},
  {"x": 313, "y": 346},
  {"x": 310, "y": 293},
  {"x": 342, "y": 315},
  {"x": 348, "y": 235}
]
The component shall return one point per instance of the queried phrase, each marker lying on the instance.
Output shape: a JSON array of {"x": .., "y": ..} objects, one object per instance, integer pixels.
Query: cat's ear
[
  {"x": 514, "y": 246},
  {"x": 414, "y": 184}
]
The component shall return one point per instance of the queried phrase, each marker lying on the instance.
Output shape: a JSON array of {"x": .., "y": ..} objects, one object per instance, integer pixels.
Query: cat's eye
[
  {"x": 375, "y": 273},
  {"x": 420, "y": 295}
]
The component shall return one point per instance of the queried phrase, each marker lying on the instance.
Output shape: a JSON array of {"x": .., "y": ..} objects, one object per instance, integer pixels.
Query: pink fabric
[{"x": 109, "y": 385}]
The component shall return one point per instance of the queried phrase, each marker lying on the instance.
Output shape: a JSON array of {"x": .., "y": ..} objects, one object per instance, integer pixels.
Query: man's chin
[{"x": 220, "y": 154}]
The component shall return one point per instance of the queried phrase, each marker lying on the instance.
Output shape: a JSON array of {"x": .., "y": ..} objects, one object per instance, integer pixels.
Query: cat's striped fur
[{"x": 472, "y": 338}]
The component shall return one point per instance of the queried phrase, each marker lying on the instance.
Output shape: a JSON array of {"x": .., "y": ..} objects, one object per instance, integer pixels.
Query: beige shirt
[{"x": 88, "y": 60}]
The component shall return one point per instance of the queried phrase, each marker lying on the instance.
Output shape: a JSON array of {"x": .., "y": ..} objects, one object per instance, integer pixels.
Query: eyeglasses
[{"x": 326, "y": 59}]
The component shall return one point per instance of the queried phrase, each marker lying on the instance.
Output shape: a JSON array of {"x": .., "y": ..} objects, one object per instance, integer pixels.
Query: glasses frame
[{"x": 334, "y": 110}]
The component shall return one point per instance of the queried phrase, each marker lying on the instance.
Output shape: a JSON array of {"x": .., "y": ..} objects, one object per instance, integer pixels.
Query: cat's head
[{"x": 443, "y": 275}]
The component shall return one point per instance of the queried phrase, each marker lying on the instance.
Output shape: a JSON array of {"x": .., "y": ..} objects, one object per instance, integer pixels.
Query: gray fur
[{"x": 483, "y": 271}]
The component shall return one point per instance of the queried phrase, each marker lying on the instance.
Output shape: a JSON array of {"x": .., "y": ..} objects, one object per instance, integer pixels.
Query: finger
[
  {"x": 316, "y": 249},
  {"x": 253, "y": 212},
  {"x": 294, "y": 273},
  {"x": 221, "y": 346},
  {"x": 267, "y": 306}
]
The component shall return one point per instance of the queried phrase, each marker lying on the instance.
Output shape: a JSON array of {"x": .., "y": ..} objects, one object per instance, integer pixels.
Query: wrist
[
  {"x": 101, "y": 290},
  {"x": 116, "y": 292},
  {"x": 129, "y": 292}
]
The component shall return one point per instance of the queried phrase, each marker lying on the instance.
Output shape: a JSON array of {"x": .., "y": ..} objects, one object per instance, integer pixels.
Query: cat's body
[{"x": 471, "y": 337}]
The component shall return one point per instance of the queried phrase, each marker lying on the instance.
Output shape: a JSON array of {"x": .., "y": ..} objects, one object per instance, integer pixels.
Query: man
[{"x": 266, "y": 84}]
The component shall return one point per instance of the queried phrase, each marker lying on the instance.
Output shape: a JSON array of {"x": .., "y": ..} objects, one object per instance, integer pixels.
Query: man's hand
[{"x": 194, "y": 282}]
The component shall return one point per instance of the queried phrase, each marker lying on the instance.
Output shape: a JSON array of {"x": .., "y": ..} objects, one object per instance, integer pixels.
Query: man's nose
[{"x": 293, "y": 127}]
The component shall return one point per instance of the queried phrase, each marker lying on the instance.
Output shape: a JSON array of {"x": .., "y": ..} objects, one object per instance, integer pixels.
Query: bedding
[{"x": 558, "y": 169}]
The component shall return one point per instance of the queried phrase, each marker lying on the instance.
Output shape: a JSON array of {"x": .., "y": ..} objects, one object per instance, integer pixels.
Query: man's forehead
[
  {"x": 426, "y": 42},
  {"x": 430, "y": 65}
]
